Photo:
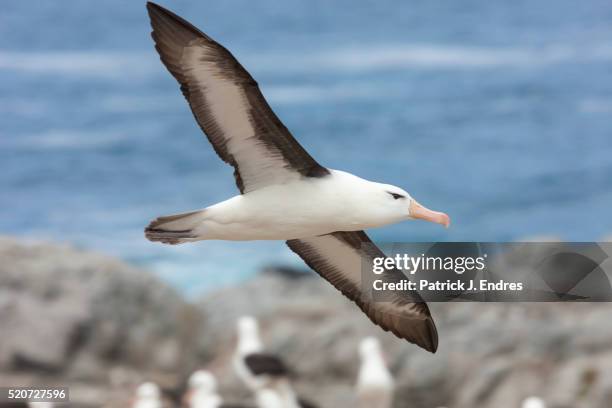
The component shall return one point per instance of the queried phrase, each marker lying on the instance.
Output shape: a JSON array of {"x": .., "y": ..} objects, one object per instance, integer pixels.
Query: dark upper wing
[
  {"x": 265, "y": 364},
  {"x": 229, "y": 106},
  {"x": 337, "y": 257}
]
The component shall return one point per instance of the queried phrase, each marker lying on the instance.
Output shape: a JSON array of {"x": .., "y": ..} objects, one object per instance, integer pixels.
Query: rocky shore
[{"x": 79, "y": 319}]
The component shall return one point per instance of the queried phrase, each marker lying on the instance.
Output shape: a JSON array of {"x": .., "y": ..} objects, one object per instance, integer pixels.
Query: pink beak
[{"x": 417, "y": 211}]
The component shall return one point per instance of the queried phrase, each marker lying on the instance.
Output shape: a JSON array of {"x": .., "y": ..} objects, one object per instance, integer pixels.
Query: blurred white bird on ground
[
  {"x": 533, "y": 402},
  {"x": 203, "y": 391},
  {"x": 375, "y": 385},
  {"x": 147, "y": 396},
  {"x": 268, "y": 398},
  {"x": 255, "y": 367}
]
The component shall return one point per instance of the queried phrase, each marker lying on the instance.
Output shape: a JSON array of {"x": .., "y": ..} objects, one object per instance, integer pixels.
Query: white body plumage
[
  {"x": 298, "y": 209},
  {"x": 375, "y": 385}
]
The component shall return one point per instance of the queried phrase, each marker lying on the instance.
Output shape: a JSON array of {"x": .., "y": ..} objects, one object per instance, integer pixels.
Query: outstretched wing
[
  {"x": 338, "y": 256},
  {"x": 229, "y": 107}
]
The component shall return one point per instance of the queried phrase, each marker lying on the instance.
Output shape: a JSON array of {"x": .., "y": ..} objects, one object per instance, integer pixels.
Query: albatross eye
[{"x": 395, "y": 195}]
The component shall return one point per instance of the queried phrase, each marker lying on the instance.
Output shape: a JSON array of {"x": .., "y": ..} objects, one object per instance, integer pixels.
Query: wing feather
[
  {"x": 229, "y": 107},
  {"x": 338, "y": 257}
]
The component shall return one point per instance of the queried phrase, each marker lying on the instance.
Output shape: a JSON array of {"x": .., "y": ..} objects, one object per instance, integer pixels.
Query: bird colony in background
[{"x": 268, "y": 379}]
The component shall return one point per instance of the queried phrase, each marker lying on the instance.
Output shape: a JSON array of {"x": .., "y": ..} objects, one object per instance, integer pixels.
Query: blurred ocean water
[{"x": 498, "y": 113}]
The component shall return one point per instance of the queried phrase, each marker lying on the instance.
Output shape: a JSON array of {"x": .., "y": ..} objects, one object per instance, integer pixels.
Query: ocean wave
[
  {"x": 121, "y": 103},
  {"x": 63, "y": 139},
  {"x": 373, "y": 58},
  {"x": 367, "y": 58},
  {"x": 24, "y": 107},
  {"x": 595, "y": 105},
  {"x": 80, "y": 63}
]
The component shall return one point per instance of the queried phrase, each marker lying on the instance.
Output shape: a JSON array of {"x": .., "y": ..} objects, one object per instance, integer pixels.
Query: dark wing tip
[
  {"x": 419, "y": 331},
  {"x": 153, "y": 6},
  {"x": 162, "y": 17},
  {"x": 156, "y": 11},
  {"x": 426, "y": 335},
  {"x": 431, "y": 338}
]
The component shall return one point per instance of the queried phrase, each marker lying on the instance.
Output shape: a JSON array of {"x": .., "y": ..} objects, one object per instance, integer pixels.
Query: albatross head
[{"x": 399, "y": 204}]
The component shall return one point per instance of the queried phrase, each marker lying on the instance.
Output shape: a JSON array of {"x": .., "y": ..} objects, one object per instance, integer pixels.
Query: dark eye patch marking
[{"x": 396, "y": 196}]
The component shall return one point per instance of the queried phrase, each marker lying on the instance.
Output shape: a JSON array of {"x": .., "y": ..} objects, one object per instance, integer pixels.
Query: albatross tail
[{"x": 175, "y": 229}]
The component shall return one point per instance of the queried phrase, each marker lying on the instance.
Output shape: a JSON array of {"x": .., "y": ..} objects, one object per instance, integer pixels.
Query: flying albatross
[{"x": 285, "y": 193}]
